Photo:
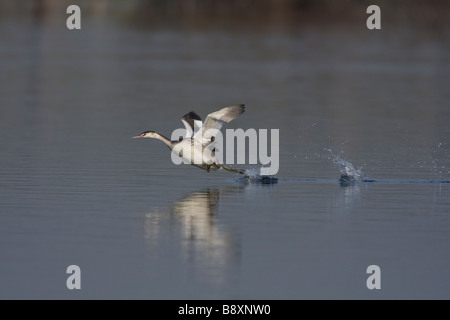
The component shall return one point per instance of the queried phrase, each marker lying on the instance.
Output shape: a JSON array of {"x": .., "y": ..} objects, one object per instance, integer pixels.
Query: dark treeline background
[{"x": 426, "y": 15}]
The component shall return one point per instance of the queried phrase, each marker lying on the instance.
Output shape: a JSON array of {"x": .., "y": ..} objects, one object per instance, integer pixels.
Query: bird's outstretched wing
[
  {"x": 214, "y": 122},
  {"x": 192, "y": 122}
]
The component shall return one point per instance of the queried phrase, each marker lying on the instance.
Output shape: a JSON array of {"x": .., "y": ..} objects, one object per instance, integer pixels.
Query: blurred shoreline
[{"x": 426, "y": 15}]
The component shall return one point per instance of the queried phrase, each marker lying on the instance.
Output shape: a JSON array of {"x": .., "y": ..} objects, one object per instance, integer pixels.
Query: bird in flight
[{"x": 197, "y": 147}]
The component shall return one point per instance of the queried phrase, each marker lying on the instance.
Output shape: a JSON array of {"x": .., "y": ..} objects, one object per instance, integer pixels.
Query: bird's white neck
[{"x": 164, "y": 139}]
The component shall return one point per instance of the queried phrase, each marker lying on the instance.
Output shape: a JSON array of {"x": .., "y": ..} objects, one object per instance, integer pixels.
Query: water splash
[
  {"x": 349, "y": 175},
  {"x": 252, "y": 173},
  {"x": 254, "y": 176}
]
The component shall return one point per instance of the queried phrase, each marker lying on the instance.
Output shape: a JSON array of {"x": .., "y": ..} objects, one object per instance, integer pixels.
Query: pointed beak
[{"x": 136, "y": 137}]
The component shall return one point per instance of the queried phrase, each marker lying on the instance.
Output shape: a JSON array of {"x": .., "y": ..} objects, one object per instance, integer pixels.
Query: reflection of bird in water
[
  {"x": 200, "y": 137},
  {"x": 196, "y": 214},
  {"x": 205, "y": 243}
]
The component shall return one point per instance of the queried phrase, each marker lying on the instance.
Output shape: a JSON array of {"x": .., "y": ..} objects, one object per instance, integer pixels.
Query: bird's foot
[{"x": 233, "y": 170}]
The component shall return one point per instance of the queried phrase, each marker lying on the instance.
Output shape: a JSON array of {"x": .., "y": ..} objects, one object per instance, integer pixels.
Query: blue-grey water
[{"x": 75, "y": 189}]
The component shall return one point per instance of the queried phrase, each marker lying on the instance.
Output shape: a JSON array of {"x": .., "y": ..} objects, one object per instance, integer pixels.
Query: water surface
[{"x": 76, "y": 189}]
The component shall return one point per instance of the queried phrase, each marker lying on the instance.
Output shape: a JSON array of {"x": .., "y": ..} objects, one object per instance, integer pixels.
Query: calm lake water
[{"x": 75, "y": 189}]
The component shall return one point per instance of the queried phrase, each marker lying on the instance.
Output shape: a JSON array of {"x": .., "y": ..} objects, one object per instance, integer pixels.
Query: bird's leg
[
  {"x": 233, "y": 170},
  {"x": 208, "y": 166}
]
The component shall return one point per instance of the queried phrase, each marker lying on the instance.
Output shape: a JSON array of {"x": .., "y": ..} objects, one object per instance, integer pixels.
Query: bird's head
[{"x": 147, "y": 134}]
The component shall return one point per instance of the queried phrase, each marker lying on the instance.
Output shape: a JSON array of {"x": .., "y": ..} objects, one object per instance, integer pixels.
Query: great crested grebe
[{"x": 200, "y": 137}]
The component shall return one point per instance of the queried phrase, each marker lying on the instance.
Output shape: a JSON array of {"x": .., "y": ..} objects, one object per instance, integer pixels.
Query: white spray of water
[
  {"x": 254, "y": 175},
  {"x": 345, "y": 167}
]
